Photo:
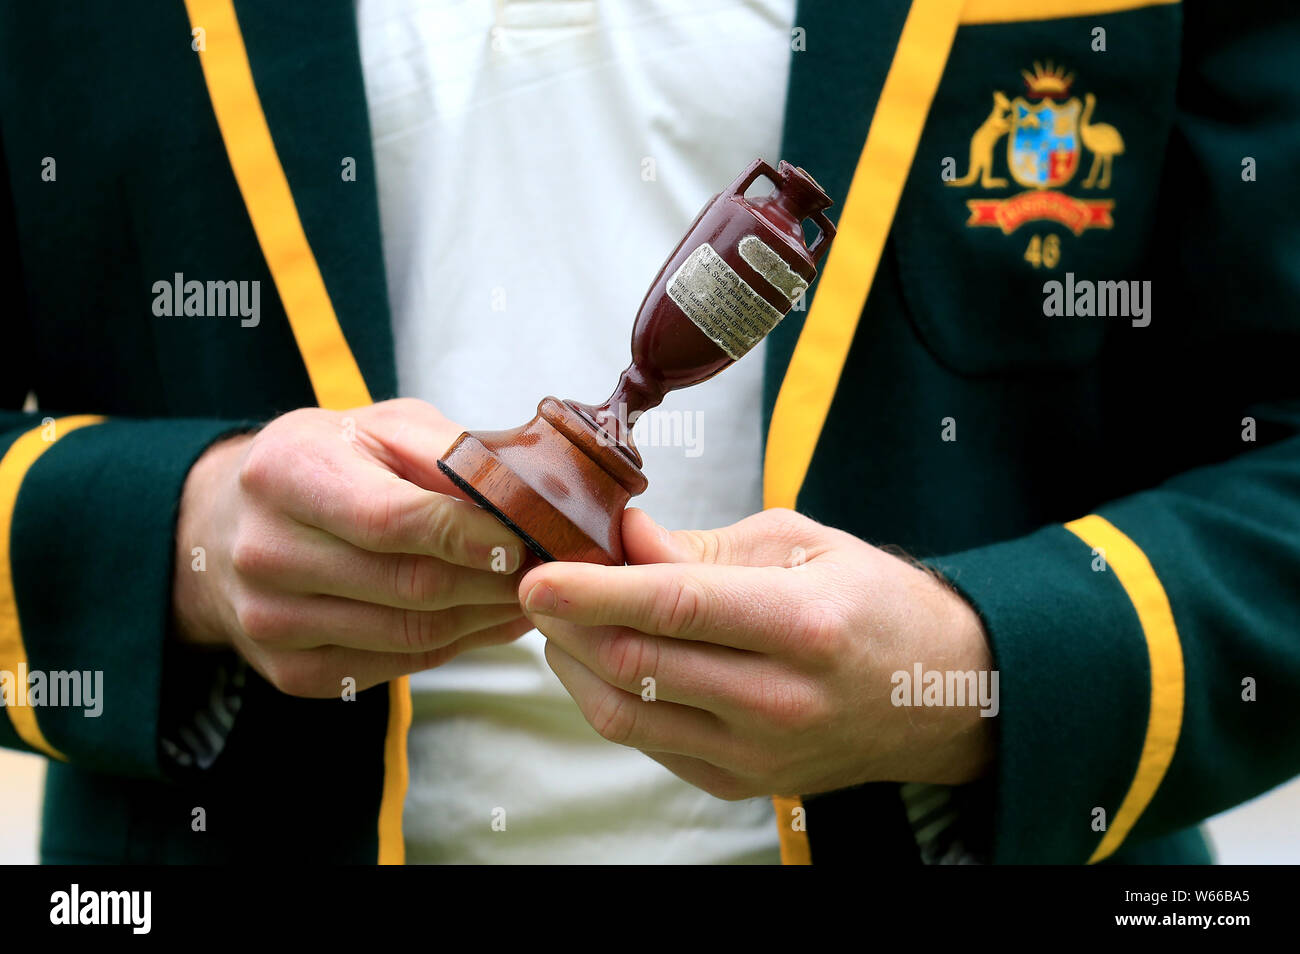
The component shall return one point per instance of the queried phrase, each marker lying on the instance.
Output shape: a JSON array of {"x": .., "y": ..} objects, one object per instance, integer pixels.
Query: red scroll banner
[{"x": 1078, "y": 215}]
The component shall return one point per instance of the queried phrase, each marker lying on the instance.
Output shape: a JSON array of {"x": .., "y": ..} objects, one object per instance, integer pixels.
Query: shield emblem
[{"x": 1043, "y": 148}]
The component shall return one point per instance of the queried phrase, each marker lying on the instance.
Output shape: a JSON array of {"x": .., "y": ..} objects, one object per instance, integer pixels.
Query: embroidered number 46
[{"x": 1044, "y": 252}]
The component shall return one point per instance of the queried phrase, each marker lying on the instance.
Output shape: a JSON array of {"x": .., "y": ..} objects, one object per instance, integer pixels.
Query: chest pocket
[{"x": 1040, "y": 160}]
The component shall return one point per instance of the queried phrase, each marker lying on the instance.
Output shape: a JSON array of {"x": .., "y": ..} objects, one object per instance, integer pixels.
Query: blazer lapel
[{"x": 298, "y": 137}]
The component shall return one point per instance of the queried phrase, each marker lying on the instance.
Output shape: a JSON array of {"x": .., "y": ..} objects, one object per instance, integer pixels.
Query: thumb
[{"x": 770, "y": 538}]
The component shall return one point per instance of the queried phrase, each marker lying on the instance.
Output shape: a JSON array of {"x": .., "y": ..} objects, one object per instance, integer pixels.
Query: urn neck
[{"x": 634, "y": 394}]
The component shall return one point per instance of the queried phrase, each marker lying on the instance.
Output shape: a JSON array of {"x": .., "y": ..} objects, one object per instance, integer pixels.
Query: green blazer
[{"x": 1118, "y": 496}]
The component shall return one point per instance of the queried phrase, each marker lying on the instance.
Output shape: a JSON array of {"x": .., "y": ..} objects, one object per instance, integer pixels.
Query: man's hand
[
  {"x": 771, "y": 645},
  {"x": 333, "y": 548}
]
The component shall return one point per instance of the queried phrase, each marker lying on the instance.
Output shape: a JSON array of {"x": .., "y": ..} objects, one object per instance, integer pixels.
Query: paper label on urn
[
  {"x": 721, "y": 303},
  {"x": 761, "y": 257}
]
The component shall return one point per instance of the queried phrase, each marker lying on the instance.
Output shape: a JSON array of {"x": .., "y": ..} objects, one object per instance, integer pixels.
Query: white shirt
[{"x": 537, "y": 160}]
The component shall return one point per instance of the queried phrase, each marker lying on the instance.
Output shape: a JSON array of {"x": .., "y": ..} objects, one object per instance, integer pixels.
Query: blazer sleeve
[{"x": 87, "y": 536}]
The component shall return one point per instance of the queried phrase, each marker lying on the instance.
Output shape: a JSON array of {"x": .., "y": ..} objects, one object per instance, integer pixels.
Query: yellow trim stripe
[
  {"x": 392, "y": 846},
  {"x": 17, "y": 461},
  {"x": 1164, "y": 723},
  {"x": 331, "y": 366},
  {"x": 1016, "y": 11},
  {"x": 795, "y": 848},
  {"x": 877, "y": 185},
  {"x": 814, "y": 371},
  {"x": 333, "y": 370}
]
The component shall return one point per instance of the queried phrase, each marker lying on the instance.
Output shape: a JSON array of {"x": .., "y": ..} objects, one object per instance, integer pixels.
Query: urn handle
[
  {"x": 826, "y": 232},
  {"x": 747, "y": 178}
]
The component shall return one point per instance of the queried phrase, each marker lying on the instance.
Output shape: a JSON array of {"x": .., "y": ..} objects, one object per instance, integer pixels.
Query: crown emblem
[{"x": 1050, "y": 83}]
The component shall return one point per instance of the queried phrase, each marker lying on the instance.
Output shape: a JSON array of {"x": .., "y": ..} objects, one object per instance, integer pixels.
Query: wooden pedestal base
[{"x": 557, "y": 482}]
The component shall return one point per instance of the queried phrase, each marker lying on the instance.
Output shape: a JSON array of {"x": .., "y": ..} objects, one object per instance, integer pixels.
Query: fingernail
[{"x": 541, "y": 599}]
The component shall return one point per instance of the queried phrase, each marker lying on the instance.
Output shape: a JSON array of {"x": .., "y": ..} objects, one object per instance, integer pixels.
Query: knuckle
[
  {"x": 259, "y": 619},
  {"x": 682, "y": 607},
  {"x": 627, "y": 658},
  {"x": 416, "y": 580},
  {"x": 444, "y": 532},
  {"x": 615, "y": 718},
  {"x": 258, "y": 469},
  {"x": 785, "y": 524},
  {"x": 705, "y": 547},
  {"x": 790, "y": 705},
  {"x": 252, "y": 556},
  {"x": 819, "y": 628},
  {"x": 420, "y": 631},
  {"x": 373, "y": 522}
]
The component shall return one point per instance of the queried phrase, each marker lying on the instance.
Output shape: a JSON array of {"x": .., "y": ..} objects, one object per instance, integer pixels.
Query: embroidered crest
[
  {"x": 1043, "y": 148},
  {"x": 1047, "y": 133}
]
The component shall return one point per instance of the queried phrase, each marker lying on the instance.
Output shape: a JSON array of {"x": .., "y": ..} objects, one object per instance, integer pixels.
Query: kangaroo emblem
[{"x": 982, "y": 144}]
